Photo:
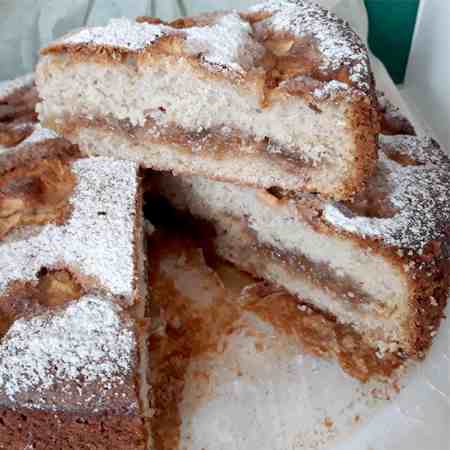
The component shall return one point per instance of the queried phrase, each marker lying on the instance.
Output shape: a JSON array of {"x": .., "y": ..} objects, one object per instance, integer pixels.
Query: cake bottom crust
[{"x": 44, "y": 430}]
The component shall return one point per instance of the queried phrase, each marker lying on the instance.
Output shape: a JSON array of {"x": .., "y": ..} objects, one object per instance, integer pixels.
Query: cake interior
[
  {"x": 199, "y": 301},
  {"x": 35, "y": 194},
  {"x": 170, "y": 92},
  {"x": 167, "y": 95},
  {"x": 277, "y": 240}
]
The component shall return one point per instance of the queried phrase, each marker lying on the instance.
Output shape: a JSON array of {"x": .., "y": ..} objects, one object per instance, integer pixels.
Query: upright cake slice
[
  {"x": 279, "y": 95},
  {"x": 379, "y": 264},
  {"x": 72, "y": 300}
]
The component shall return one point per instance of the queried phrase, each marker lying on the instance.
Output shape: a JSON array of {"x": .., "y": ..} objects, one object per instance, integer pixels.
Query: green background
[{"x": 391, "y": 27}]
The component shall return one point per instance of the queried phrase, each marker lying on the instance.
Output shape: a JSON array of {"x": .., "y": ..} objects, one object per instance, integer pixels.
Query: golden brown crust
[
  {"x": 363, "y": 120},
  {"x": 48, "y": 148},
  {"x": 36, "y": 183},
  {"x": 23, "y": 299}
]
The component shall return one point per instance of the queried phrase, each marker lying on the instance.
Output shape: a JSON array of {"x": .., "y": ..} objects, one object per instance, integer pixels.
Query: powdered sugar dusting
[
  {"x": 96, "y": 241},
  {"x": 120, "y": 34},
  {"x": 226, "y": 44},
  {"x": 9, "y": 86},
  {"x": 418, "y": 191},
  {"x": 337, "y": 42},
  {"x": 87, "y": 342}
]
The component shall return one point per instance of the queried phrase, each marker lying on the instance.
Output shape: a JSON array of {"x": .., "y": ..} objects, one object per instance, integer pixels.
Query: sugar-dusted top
[
  {"x": 80, "y": 357},
  {"x": 230, "y": 41},
  {"x": 409, "y": 196},
  {"x": 97, "y": 240},
  {"x": 10, "y": 86},
  {"x": 227, "y": 43},
  {"x": 223, "y": 43},
  {"x": 119, "y": 33},
  {"x": 338, "y": 44}
]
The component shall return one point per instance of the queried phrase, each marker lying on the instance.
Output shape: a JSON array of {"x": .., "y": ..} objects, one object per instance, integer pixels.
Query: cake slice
[
  {"x": 379, "y": 264},
  {"x": 73, "y": 292},
  {"x": 280, "y": 95}
]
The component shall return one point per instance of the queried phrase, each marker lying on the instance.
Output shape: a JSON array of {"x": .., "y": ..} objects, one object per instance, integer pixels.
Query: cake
[
  {"x": 379, "y": 264},
  {"x": 263, "y": 124},
  {"x": 73, "y": 293},
  {"x": 280, "y": 95}
]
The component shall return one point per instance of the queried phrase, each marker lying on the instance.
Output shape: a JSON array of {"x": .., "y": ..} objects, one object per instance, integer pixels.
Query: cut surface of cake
[
  {"x": 73, "y": 293},
  {"x": 280, "y": 95},
  {"x": 379, "y": 264}
]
